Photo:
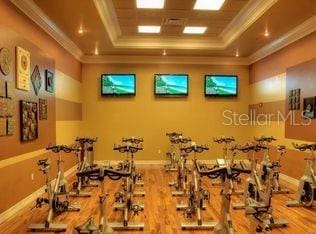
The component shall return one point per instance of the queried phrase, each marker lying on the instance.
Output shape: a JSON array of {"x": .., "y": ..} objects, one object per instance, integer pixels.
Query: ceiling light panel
[
  {"x": 150, "y": 4},
  {"x": 194, "y": 30},
  {"x": 208, "y": 5},
  {"x": 149, "y": 29}
]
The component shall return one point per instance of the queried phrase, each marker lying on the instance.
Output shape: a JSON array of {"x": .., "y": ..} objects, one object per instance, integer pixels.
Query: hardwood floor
[{"x": 160, "y": 215}]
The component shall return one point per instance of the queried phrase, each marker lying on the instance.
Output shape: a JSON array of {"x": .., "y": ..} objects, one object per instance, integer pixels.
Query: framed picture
[
  {"x": 309, "y": 107},
  {"x": 42, "y": 109},
  {"x": 36, "y": 80},
  {"x": 295, "y": 99},
  {"x": 23, "y": 63},
  {"x": 50, "y": 81},
  {"x": 29, "y": 122}
]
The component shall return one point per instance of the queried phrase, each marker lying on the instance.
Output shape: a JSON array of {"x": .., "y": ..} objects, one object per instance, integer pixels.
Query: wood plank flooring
[{"x": 160, "y": 215}]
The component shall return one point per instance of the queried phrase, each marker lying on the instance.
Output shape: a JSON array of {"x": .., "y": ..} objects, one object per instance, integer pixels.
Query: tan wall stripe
[
  {"x": 67, "y": 110},
  {"x": 274, "y": 109}
]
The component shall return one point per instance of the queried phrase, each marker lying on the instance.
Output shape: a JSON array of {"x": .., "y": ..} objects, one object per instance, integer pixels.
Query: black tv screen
[
  {"x": 171, "y": 84},
  {"x": 118, "y": 84},
  {"x": 221, "y": 85}
]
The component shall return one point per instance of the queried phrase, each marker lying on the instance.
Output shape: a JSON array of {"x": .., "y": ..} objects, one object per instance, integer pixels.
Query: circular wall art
[{"x": 5, "y": 61}]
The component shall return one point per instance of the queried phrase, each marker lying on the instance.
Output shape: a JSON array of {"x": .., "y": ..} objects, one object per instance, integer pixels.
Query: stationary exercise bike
[
  {"x": 197, "y": 196},
  {"x": 171, "y": 154},
  {"x": 223, "y": 162},
  {"x": 267, "y": 163},
  {"x": 181, "y": 182},
  {"x": 85, "y": 162},
  {"x": 99, "y": 174},
  {"x": 260, "y": 212},
  {"x": 307, "y": 186},
  {"x": 257, "y": 201},
  {"x": 135, "y": 141},
  {"x": 124, "y": 199},
  {"x": 57, "y": 197},
  {"x": 225, "y": 225}
]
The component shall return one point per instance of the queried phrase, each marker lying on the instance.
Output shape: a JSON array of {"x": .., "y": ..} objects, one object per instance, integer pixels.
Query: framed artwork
[
  {"x": 50, "y": 81},
  {"x": 28, "y": 119},
  {"x": 42, "y": 109},
  {"x": 10, "y": 126},
  {"x": 295, "y": 99},
  {"x": 23, "y": 63},
  {"x": 36, "y": 80},
  {"x": 5, "y": 61},
  {"x": 309, "y": 107},
  {"x": 3, "y": 91}
]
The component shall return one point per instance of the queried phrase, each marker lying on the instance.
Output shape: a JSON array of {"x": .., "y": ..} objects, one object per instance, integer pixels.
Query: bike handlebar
[
  {"x": 195, "y": 148},
  {"x": 216, "y": 172},
  {"x": 134, "y": 140},
  {"x": 173, "y": 134},
  {"x": 224, "y": 139},
  {"x": 263, "y": 139},
  {"x": 58, "y": 148},
  {"x": 304, "y": 147},
  {"x": 89, "y": 140},
  {"x": 180, "y": 139},
  {"x": 248, "y": 147},
  {"x": 100, "y": 173},
  {"x": 128, "y": 148}
]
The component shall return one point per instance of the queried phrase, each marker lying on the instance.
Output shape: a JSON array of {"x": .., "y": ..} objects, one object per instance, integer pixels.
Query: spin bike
[
  {"x": 196, "y": 195},
  {"x": 307, "y": 186},
  {"x": 225, "y": 225},
  {"x": 267, "y": 163},
  {"x": 99, "y": 174},
  {"x": 85, "y": 162},
  {"x": 124, "y": 199},
  {"x": 257, "y": 201},
  {"x": 171, "y": 154},
  {"x": 181, "y": 182},
  {"x": 226, "y": 162},
  {"x": 57, "y": 197}
]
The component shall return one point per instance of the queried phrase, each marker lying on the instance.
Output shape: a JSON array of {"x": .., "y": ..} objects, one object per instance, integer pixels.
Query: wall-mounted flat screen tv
[
  {"x": 221, "y": 85},
  {"x": 171, "y": 84},
  {"x": 118, "y": 84}
]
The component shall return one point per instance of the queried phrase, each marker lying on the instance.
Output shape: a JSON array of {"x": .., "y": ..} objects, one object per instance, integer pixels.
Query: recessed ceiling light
[
  {"x": 80, "y": 30},
  {"x": 149, "y": 29},
  {"x": 237, "y": 53},
  {"x": 266, "y": 33},
  {"x": 208, "y": 5},
  {"x": 194, "y": 30},
  {"x": 150, "y": 4},
  {"x": 164, "y": 53},
  {"x": 96, "y": 51}
]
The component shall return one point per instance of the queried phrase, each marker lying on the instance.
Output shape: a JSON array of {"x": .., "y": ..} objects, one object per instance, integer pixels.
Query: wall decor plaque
[
  {"x": 5, "y": 61},
  {"x": 295, "y": 99},
  {"x": 3, "y": 92},
  {"x": 42, "y": 109},
  {"x": 10, "y": 126},
  {"x": 3, "y": 126},
  {"x": 36, "y": 80},
  {"x": 23, "y": 63},
  {"x": 50, "y": 81},
  {"x": 9, "y": 89},
  {"x": 309, "y": 107},
  {"x": 6, "y": 107},
  {"x": 29, "y": 123}
]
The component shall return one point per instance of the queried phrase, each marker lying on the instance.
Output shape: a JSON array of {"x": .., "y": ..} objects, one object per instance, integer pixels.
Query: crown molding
[
  {"x": 108, "y": 16},
  {"x": 29, "y": 8},
  {"x": 40, "y": 18},
  {"x": 248, "y": 15},
  {"x": 300, "y": 31},
  {"x": 134, "y": 59},
  {"x": 244, "y": 19}
]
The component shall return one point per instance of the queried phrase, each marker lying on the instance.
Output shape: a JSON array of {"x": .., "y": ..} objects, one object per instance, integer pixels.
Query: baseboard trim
[
  {"x": 289, "y": 179},
  {"x": 12, "y": 211}
]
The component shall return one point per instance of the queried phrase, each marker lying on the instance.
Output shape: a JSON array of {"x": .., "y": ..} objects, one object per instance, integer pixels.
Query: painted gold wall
[
  {"x": 68, "y": 88},
  {"x": 268, "y": 86},
  {"x": 110, "y": 118}
]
